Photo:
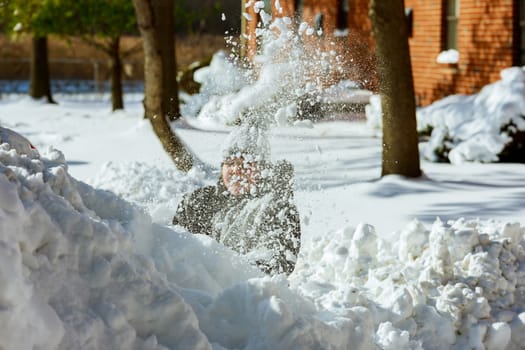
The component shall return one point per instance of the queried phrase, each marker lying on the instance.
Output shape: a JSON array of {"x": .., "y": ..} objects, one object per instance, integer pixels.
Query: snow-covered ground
[
  {"x": 86, "y": 268},
  {"x": 89, "y": 260}
]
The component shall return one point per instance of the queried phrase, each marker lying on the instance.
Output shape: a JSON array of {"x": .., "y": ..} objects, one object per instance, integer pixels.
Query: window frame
[
  {"x": 343, "y": 9},
  {"x": 519, "y": 36},
  {"x": 451, "y": 12}
]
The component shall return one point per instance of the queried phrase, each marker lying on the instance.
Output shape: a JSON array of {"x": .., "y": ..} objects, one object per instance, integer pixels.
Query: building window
[
  {"x": 298, "y": 7},
  {"x": 342, "y": 14},
  {"x": 451, "y": 24},
  {"x": 521, "y": 32}
]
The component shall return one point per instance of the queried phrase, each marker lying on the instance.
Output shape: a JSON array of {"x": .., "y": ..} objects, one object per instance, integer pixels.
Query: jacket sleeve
[
  {"x": 282, "y": 238},
  {"x": 286, "y": 221},
  {"x": 196, "y": 210}
]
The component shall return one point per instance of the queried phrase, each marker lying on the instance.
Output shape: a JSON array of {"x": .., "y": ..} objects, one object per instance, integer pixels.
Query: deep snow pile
[
  {"x": 456, "y": 286},
  {"x": 83, "y": 268},
  {"x": 72, "y": 278},
  {"x": 471, "y": 127},
  {"x": 69, "y": 276}
]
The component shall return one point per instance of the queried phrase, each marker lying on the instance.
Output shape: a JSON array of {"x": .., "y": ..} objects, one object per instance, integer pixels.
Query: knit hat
[{"x": 249, "y": 141}]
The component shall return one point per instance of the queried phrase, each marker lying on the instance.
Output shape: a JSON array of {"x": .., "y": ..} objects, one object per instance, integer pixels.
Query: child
[{"x": 251, "y": 209}]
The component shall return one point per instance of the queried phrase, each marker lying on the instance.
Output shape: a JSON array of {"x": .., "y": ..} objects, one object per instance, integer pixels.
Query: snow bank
[
  {"x": 70, "y": 278},
  {"x": 476, "y": 127},
  {"x": 470, "y": 127}
]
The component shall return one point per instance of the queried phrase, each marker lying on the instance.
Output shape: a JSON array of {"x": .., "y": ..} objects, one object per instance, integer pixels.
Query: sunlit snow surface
[{"x": 83, "y": 268}]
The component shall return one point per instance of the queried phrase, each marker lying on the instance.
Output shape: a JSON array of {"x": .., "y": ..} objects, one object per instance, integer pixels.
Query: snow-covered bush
[
  {"x": 484, "y": 127},
  {"x": 220, "y": 78}
]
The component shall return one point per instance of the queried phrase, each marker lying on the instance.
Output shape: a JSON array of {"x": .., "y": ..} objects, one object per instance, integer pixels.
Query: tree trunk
[
  {"x": 163, "y": 11},
  {"x": 244, "y": 42},
  {"x": 116, "y": 75},
  {"x": 153, "y": 108},
  {"x": 400, "y": 139},
  {"x": 40, "y": 85}
]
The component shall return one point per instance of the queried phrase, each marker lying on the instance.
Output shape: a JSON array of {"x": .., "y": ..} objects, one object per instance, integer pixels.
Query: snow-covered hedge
[{"x": 484, "y": 127}]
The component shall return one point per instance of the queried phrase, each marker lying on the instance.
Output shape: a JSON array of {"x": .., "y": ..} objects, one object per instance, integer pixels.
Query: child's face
[{"x": 239, "y": 176}]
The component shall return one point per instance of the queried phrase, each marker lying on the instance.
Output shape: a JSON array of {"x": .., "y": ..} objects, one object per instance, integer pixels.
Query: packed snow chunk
[
  {"x": 455, "y": 285},
  {"x": 498, "y": 336},
  {"x": 390, "y": 338},
  {"x": 69, "y": 275},
  {"x": 484, "y": 127},
  {"x": 518, "y": 330}
]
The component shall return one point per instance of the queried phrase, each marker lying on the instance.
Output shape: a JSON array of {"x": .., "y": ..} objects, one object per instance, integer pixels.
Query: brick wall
[
  {"x": 361, "y": 44},
  {"x": 485, "y": 43}
]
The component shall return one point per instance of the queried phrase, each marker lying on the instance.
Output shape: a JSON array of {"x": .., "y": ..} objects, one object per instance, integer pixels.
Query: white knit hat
[{"x": 248, "y": 140}]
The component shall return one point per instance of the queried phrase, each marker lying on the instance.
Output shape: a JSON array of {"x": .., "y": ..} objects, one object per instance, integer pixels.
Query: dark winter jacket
[{"x": 263, "y": 226}]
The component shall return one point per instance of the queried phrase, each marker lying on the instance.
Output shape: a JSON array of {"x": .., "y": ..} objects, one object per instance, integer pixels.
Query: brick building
[{"x": 486, "y": 33}]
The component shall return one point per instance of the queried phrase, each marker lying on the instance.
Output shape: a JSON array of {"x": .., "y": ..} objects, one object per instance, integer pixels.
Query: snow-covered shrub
[
  {"x": 514, "y": 151},
  {"x": 485, "y": 127},
  {"x": 220, "y": 78}
]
